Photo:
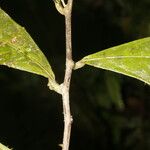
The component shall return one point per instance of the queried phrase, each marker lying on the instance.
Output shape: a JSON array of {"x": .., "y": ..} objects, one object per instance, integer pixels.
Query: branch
[
  {"x": 66, "y": 10},
  {"x": 60, "y": 5},
  {"x": 68, "y": 73}
]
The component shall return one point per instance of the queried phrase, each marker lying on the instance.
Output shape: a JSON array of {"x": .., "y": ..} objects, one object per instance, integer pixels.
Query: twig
[
  {"x": 63, "y": 3},
  {"x": 64, "y": 89},
  {"x": 68, "y": 72}
]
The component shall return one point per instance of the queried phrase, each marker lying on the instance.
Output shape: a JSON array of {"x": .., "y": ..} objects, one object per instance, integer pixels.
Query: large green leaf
[
  {"x": 18, "y": 50},
  {"x": 131, "y": 59}
]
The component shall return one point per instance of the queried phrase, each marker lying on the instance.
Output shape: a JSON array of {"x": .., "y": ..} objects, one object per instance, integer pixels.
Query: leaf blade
[
  {"x": 3, "y": 147},
  {"x": 131, "y": 59},
  {"x": 19, "y": 51}
]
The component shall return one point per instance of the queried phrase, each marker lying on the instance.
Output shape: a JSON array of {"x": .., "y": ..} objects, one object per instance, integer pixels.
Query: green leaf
[
  {"x": 2, "y": 147},
  {"x": 115, "y": 92},
  {"x": 131, "y": 59},
  {"x": 19, "y": 51}
]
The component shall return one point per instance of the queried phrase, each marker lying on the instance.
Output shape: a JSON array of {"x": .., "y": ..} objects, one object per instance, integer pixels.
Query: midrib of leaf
[
  {"x": 124, "y": 71},
  {"x": 115, "y": 57},
  {"x": 131, "y": 59}
]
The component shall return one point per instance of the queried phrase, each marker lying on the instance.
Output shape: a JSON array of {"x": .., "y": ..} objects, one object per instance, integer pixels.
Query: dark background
[{"x": 110, "y": 111}]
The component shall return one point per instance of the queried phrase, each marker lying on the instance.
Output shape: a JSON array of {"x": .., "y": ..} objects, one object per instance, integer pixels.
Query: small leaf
[
  {"x": 2, "y": 147},
  {"x": 19, "y": 51},
  {"x": 131, "y": 59}
]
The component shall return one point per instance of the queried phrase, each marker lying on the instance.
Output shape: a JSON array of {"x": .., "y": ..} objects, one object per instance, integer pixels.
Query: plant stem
[{"x": 68, "y": 73}]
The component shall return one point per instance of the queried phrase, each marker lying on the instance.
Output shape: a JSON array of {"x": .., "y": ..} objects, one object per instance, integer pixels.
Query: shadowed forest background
[{"x": 110, "y": 111}]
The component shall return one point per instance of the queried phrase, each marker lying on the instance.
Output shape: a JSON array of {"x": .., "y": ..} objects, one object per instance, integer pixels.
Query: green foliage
[
  {"x": 19, "y": 51},
  {"x": 2, "y": 147},
  {"x": 115, "y": 92},
  {"x": 131, "y": 59}
]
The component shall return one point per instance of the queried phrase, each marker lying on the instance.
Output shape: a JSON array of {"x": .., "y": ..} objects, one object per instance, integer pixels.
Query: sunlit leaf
[
  {"x": 19, "y": 51},
  {"x": 131, "y": 59},
  {"x": 2, "y": 147}
]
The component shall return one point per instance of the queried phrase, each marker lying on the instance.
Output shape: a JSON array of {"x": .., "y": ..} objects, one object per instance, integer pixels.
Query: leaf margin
[{"x": 85, "y": 60}]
